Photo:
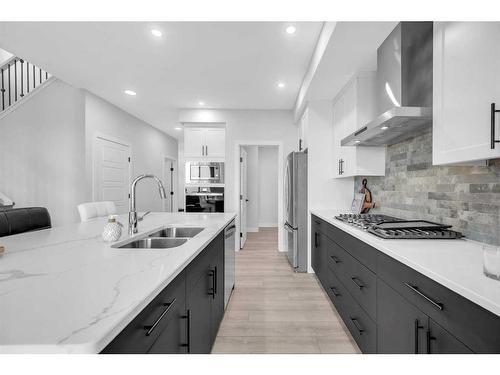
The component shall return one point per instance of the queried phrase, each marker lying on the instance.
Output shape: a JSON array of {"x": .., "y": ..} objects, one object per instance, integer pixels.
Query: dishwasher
[{"x": 229, "y": 260}]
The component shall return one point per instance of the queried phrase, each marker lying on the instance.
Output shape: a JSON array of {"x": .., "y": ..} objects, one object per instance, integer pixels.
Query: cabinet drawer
[
  {"x": 473, "y": 325},
  {"x": 363, "y": 252},
  {"x": 362, "y": 328},
  {"x": 359, "y": 280},
  {"x": 140, "y": 334}
]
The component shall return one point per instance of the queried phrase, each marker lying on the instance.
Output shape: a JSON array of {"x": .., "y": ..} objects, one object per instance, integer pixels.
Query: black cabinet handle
[
  {"x": 334, "y": 291},
  {"x": 429, "y": 339},
  {"x": 357, "y": 283},
  {"x": 414, "y": 288},
  {"x": 211, "y": 291},
  {"x": 188, "y": 330},
  {"x": 300, "y": 144},
  {"x": 357, "y": 325},
  {"x": 494, "y": 111},
  {"x": 417, "y": 327},
  {"x": 150, "y": 329},
  {"x": 335, "y": 259},
  {"x": 215, "y": 281},
  {"x": 315, "y": 239}
]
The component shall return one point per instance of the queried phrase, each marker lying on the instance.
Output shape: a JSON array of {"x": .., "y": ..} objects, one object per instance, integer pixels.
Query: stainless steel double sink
[{"x": 164, "y": 238}]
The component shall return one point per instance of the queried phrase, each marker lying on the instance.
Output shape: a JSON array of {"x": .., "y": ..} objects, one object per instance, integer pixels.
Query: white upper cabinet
[
  {"x": 215, "y": 143},
  {"x": 353, "y": 108},
  {"x": 466, "y": 82},
  {"x": 194, "y": 142},
  {"x": 205, "y": 143}
]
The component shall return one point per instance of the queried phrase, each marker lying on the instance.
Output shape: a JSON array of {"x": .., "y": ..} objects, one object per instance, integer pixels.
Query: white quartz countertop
[
  {"x": 64, "y": 290},
  {"x": 456, "y": 264}
]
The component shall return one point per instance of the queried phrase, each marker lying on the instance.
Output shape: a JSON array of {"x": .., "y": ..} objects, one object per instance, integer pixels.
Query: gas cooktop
[{"x": 389, "y": 227}]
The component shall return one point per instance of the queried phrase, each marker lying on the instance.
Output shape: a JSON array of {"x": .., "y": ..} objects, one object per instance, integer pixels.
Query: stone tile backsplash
[{"x": 466, "y": 197}]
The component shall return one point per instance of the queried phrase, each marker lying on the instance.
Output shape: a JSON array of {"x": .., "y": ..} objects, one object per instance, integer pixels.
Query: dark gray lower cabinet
[
  {"x": 185, "y": 316},
  {"x": 401, "y": 327},
  {"x": 389, "y": 307},
  {"x": 440, "y": 341},
  {"x": 198, "y": 306},
  {"x": 205, "y": 300}
]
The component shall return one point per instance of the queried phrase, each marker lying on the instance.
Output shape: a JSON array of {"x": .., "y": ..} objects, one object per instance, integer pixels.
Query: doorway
[
  {"x": 259, "y": 190},
  {"x": 170, "y": 183},
  {"x": 111, "y": 172}
]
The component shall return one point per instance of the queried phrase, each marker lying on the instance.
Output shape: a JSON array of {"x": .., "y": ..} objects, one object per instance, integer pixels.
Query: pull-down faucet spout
[{"x": 132, "y": 215}]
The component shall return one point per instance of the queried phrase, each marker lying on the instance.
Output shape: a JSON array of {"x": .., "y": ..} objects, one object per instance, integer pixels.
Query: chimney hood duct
[{"x": 404, "y": 87}]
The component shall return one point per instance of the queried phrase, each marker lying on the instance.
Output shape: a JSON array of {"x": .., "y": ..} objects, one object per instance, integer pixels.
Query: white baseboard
[
  {"x": 252, "y": 229},
  {"x": 267, "y": 225}
]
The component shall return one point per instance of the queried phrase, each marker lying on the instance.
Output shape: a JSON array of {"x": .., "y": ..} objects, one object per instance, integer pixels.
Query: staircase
[{"x": 19, "y": 78}]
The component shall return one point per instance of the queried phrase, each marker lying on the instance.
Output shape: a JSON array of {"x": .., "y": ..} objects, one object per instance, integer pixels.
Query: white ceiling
[
  {"x": 231, "y": 65},
  {"x": 352, "y": 48}
]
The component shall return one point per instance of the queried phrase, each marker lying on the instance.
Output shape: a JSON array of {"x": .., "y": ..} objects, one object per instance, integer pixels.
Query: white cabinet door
[
  {"x": 194, "y": 142},
  {"x": 215, "y": 143},
  {"x": 352, "y": 109},
  {"x": 466, "y": 82},
  {"x": 338, "y": 114}
]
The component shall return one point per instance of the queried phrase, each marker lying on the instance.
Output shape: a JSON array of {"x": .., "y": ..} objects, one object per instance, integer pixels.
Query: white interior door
[
  {"x": 112, "y": 173},
  {"x": 243, "y": 197},
  {"x": 170, "y": 181}
]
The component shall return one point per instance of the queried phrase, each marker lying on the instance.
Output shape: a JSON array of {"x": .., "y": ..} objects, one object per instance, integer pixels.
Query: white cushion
[{"x": 91, "y": 210}]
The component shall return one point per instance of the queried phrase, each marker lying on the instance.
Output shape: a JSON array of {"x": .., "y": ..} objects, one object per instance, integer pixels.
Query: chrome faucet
[{"x": 132, "y": 215}]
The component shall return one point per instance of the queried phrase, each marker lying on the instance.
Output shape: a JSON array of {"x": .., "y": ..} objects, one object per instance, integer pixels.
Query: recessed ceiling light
[
  {"x": 178, "y": 128},
  {"x": 384, "y": 127},
  {"x": 156, "y": 33},
  {"x": 201, "y": 103},
  {"x": 130, "y": 92},
  {"x": 290, "y": 30},
  {"x": 357, "y": 141},
  {"x": 281, "y": 85}
]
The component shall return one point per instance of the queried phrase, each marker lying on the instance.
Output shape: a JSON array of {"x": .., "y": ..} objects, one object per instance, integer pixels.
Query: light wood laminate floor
[{"x": 275, "y": 310}]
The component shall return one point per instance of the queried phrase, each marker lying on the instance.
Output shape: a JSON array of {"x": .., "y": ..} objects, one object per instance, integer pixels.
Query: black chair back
[{"x": 20, "y": 220}]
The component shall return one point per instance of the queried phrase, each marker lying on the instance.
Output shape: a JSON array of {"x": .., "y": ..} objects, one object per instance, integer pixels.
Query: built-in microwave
[{"x": 204, "y": 172}]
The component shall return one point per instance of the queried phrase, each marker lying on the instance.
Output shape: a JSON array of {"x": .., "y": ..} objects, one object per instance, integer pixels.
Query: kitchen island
[{"x": 64, "y": 290}]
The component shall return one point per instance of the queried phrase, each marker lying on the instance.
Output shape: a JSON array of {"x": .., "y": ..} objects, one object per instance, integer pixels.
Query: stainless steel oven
[
  {"x": 204, "y": 199},
  {"x": 204, "y": 172}
]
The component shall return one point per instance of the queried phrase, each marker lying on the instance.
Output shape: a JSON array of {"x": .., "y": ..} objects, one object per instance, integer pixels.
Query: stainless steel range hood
[{"x": 404, "y": 87}]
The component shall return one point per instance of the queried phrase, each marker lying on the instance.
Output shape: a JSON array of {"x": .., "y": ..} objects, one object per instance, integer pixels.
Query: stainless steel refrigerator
[{"x": 296, "y": 210}]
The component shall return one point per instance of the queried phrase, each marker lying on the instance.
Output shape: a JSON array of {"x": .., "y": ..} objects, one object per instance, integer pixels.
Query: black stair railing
[{"x": 18, "y": 78}]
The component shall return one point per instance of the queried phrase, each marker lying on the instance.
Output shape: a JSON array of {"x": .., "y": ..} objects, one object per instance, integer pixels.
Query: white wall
[
  {"x": 252, "y": 188},
  {"x": 42, "y": 152},
  {"x": 251, "y": 127},
  {"x": 268, "y": 186},
  {"x": 247, "y": 125},
  {"x": 323, "y": 190},
  {"x": 149, "y": 146},
  {"x": 4, "y": 56},
  {"x": 46, "y": 149}
]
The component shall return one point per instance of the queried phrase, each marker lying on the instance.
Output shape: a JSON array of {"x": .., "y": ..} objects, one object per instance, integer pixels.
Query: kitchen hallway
[{"x": 274, "y": 310}]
